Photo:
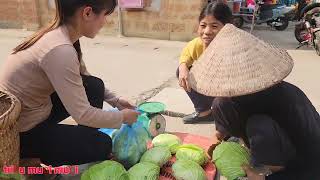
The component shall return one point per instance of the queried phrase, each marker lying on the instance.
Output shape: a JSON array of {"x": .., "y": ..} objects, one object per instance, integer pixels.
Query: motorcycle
[
  {"x": 300, "y": 32},
  {"x": 275, "y": 15},
  {"x": 307, "y": 32}
]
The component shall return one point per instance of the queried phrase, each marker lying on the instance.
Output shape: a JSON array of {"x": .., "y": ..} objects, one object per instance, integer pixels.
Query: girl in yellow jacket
[{"x": 212, "y": 18}]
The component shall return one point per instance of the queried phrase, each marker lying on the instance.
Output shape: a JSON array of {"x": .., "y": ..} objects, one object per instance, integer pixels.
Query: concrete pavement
[{"x": 144, "y": 69}]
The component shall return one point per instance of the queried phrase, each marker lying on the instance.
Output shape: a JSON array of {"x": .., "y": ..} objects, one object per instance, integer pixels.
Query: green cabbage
[
  {"x": 229, "y": 157},
  {"x": 110, "y": 170},
  {"x": 144, "y": 171},
  {"x": 157, "y": 155},
  {"x": 192, "y": 152},
  {"x": 188, "y": 170},
  {"x": 169, "y": 140},
  {"x": 4, "y": 176}
]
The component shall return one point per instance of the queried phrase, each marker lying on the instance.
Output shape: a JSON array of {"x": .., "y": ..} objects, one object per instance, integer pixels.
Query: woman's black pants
[{"x": 57, "y": 144}]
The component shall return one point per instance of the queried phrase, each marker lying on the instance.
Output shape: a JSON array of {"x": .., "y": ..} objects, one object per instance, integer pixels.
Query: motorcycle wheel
[
  {"x": 284, "y": 23},
  {"x": 317, "y": 47},
  {"x": 300, "y": 33},
  {"x": 238, "y": 21},
  {"x": 317, "y": 43}
]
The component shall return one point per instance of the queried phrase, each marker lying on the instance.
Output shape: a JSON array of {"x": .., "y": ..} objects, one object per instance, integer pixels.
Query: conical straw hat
[{"x": 237, "y": 63}]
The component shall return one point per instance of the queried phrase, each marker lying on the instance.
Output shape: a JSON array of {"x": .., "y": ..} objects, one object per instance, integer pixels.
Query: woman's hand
[
  {"x": 217, "y": 138},
  {"x": 129, "y": 116},
  {"x": 252, "y": 174},
  {"x": 124, "y": 104},
  {"x": 212, "y": 148},
  {"x": 220, "y": 136},
  {"x": 183, "y": 77}
]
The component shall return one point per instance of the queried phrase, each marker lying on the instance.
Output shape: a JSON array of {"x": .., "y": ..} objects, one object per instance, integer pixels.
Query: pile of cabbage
[
  {"x": 137, "y": 163},
  {"x": 229, "y": 158},
  {"x": 189, "y": 157}
]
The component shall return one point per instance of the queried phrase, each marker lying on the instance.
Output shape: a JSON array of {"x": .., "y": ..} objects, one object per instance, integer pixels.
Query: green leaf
[
  {"x": 168, "y": 140},
  {"x": 144, "y": 171},
  {"x": 157, "y": 155},
  {"x": 229, "y": 157},
  {"x": 107, "y": 170},
  {"x": 192, "y": 152},
  {"x": 188, "y": 170}
]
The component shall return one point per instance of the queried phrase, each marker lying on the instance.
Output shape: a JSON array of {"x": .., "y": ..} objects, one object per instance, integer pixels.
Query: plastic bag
[
  {"x": 188, "y": 170},
  {"x": 193, "y": 153},
  {"x": 144, "y": 171},
  {"x": 129, "y": 143},
  {"x": 168, "y": 140},
  {"x": 110, "y": 170},
  {"x": 157, "y": 155}
]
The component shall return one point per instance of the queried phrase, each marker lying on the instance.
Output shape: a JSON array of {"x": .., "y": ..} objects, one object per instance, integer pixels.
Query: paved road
[{"x": 144, "y": 68}]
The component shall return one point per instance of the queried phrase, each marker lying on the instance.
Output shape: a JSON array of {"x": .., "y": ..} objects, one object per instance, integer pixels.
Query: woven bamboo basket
[{"x": 10, "y": 108}]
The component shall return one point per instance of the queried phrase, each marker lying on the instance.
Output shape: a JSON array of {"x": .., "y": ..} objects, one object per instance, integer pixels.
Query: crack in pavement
[{"x": 145, "y": 96}]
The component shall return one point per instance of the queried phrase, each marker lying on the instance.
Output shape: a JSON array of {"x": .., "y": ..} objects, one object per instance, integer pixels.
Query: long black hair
[
  {"x": 218, "y": 10},
  {"x": 64, "y": 10}
]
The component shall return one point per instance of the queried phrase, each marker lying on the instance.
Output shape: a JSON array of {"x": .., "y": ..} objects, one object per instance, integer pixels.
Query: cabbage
[
  {"x": 10, "y": 176},
  {"x": 169, "y": 140},
  {"x": 110, "y": 170},
  {"x": 193, "y": 153},
  {"x": 129, "y": 143},
  {"x": 188, "y": 170},
  {"x": 157, "y": 155},
  {"x": 229, "y": 157},
  {"x": 144, "y": 171}
]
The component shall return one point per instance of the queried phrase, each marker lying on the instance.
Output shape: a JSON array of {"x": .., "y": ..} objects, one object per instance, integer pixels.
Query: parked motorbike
[
  {"x": 275, "y": 15},
  {"x": 301, "y": 32},
  {"x": 307, "y": 31}
]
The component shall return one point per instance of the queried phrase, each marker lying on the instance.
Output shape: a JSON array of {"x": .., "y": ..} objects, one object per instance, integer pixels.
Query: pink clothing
[{"x": 51, "y": 64}]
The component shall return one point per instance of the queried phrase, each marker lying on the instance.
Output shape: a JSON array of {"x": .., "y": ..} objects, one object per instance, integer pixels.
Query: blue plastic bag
[{"x": 129, "y": 144}]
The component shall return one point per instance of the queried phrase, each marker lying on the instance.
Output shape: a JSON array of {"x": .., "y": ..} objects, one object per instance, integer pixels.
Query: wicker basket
[{"x": 10, "y": 108}]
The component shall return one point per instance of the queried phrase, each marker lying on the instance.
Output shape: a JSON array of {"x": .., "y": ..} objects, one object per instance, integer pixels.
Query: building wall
[
  {"x": 160, "y": 19},
  {"x": 19, "y": 14}
]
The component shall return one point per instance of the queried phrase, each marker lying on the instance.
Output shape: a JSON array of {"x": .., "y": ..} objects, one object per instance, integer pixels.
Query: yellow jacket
[{"x": 191, "y": 52}]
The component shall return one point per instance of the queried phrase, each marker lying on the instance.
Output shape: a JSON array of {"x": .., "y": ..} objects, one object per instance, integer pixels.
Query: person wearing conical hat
[
  {"x": 212, "y": 18},
  {"x": 274, "y": 118}
]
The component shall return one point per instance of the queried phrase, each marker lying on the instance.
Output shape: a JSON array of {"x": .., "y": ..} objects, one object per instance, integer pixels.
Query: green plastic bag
[
  {"x": 192, "y": 152},
  {"x": 110, "y": 170},
  {"x": 188, "y": 170},
  {"x": 157, "y": 155},
  {"x": 168, "y": 140},
  {"x": 144, "y": 171},
  {"x": 229, "y": 157}
]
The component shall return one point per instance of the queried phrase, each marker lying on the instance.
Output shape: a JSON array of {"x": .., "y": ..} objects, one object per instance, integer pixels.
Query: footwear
[{"x": 194, "y": 118}]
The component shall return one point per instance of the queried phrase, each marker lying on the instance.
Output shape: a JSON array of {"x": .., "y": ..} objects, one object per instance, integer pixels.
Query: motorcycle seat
[{"x": 266, "y": 7}]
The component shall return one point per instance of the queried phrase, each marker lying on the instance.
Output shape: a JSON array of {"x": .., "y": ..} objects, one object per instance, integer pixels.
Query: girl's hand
[
  {"x": 129, "y": 116},
  {"x": 183, "y": 77},
  {"x": 124, "y": 104}
]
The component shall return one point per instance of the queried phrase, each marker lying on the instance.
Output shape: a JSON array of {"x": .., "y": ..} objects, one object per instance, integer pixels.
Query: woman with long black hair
[{"x": 47, "y": 74}]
